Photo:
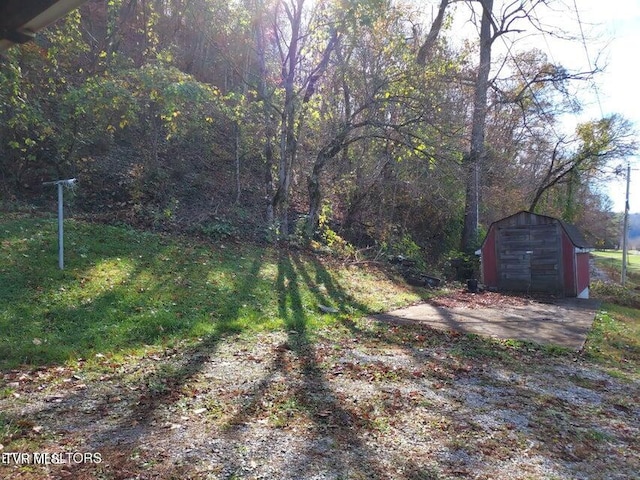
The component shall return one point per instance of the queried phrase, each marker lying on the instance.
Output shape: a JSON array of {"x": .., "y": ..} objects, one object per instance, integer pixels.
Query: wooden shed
[{"x": 527, "y": 252}]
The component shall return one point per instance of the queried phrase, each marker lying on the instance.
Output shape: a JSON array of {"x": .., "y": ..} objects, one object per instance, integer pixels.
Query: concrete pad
[{"x": 565, "y": 322}]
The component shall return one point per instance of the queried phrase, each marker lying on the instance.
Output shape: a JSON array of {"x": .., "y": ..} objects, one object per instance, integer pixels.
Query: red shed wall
[
  {"x": 583, "y": 271},
  {"x": 568, "y": 266},
  {"x": 489, "y": 261}
]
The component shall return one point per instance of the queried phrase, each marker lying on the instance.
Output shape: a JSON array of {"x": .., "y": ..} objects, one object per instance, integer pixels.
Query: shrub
[
  {"x": 462, "y": 266},
  {"x": 615, "y": 293}
]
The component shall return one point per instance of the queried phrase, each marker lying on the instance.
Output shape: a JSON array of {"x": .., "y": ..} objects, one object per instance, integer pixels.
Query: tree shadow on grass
[
  {"x": 133, "y": 291},
  {"x": 164, "y": 386},
  {"x": 296, "y": 365},
  {"x": 326, "y": 290},
  {"x": 318, "y": 407},
  {"x": 161, "y": 384}
]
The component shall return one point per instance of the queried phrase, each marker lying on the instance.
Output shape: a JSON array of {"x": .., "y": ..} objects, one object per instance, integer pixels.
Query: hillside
[
  {"x": 360, "y": 139},
  {"x": 123, "y": 289}
]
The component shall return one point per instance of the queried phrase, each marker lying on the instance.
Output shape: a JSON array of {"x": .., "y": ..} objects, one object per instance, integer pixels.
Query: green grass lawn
[
  {"x": 614, "y": 339},
  {"x": 124, "y": 289},
  {"x": 611, "y": 260}
]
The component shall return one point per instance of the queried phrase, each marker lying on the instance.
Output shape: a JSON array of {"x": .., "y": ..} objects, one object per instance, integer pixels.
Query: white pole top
[{"x": 68, "y": 181}]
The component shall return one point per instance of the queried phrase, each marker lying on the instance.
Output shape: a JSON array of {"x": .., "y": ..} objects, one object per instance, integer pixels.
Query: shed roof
[{"x": 573, "y": 233}]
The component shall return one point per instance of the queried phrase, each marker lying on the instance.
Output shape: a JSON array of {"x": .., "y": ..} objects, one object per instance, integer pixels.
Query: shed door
[{"x": 529, "y": 258}]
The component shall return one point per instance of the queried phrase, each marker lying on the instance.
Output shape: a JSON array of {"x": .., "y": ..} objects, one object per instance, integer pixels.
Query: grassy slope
[
  {"x": 123, "y": 289},
  {"x": 614, "y": 339}
]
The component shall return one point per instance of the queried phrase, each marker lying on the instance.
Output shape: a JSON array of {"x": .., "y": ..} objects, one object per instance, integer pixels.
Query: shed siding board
[
  {"x": 546, "y": 258},
  {"x": 583, "y": 271},
  {"x": 514, "y": 269},
  {"x": 569, "y": 266}
]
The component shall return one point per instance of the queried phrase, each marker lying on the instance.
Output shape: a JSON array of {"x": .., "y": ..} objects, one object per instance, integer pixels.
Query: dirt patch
[
  {"x": 363, "y": 400},
  {"x": 461, "y": 298},
  {"x": 559, "y": 321}
]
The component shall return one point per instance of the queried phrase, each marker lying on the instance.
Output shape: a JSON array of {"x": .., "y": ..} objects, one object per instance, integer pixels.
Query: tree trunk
[
  {"x": 426, "y": 50},
  {"x": 288, "y": 139},
  {"x": 236, "y": 131},
  {"x": 315, "y": 196},
  {"x": 313, "y": 183},
  {"x": 269, "y": 130},
  {"x": 476, "y": 155}
]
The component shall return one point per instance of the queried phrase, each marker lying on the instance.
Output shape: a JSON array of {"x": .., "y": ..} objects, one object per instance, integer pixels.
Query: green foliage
[
  {"x": 462, "y": 266},
  {"x": 407, "y": 247},
  {"x": 100, "y": 106},
  {"x": 28, "y": 128},
  {"x": 330, "y": 238},
  {"x": 403, "y": 245},
  {"x": 219, "y": 229}
]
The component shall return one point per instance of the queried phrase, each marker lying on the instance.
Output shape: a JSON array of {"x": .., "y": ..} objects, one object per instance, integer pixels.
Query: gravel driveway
[{"x": 363, "y": 400}]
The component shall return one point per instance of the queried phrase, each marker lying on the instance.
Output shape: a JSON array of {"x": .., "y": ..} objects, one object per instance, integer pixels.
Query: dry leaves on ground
[
  {"x": 462, "y": 298},
  {"x": 360, "y": 401}
]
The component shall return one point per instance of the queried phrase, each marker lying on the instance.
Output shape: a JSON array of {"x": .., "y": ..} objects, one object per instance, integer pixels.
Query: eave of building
[{"x": 21, "y": 19}]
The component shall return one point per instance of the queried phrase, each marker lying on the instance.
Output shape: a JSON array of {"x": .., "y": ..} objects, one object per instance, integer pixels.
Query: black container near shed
[{"x": 528, "y": 252}]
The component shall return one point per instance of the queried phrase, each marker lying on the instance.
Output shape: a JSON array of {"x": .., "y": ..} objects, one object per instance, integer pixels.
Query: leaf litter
[{"x": 359, "y": 400}]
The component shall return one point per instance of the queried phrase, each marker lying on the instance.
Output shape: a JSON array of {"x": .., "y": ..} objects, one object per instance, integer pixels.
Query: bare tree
[
  {"x": 287, "y": 27},
  {"x": 493, "y": 24},
  {"x": 426, "y": 49},
  {"x": 488, "y": 33},
  {"x": 596, "y": 144}
]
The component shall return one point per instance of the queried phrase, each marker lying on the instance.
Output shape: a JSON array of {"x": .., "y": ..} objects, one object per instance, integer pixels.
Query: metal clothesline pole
[
  {"x": 60, "y": 183},
  {"x": 625, "y": 230},
  {"x": 60, "y": 228}
]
